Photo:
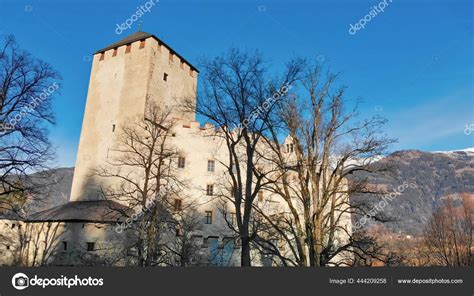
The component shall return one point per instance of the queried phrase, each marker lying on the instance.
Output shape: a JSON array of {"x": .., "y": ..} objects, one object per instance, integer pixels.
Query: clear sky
[{"x": 412, "y": 63}]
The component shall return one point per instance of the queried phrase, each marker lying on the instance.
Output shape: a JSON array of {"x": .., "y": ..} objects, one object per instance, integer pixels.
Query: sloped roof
[
  {"x": 140, "y": 36},
  {"x": 84, "y": 211}
]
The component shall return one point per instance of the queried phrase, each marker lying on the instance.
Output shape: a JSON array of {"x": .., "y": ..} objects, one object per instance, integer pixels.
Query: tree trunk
[{"x": 245, "y": 256}]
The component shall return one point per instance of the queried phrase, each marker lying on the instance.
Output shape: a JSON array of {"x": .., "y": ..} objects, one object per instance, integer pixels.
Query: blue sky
[{"x": 412, "y": 63}]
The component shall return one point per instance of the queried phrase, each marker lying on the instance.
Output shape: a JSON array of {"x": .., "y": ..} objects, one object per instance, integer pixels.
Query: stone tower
[{"x": 124, "y": 77}]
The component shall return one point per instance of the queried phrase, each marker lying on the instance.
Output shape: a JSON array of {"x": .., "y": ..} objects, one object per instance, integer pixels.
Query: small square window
[
  {"x": 64, "y": 246},
  {"x": 178, "y": 205},
  {"x": 232, "y": 219},
  {"x": 165, "y": 76},
  {"x": 208, "y": 217},
  {"x": 113, "y": 128},
  {"x": 211, "y": 165},
  {"x": 289, "y": 148},
  {"x": 210, "y": 190},
  {"x": 181, "y": 162},
  {"x": 90, "y": 247}
]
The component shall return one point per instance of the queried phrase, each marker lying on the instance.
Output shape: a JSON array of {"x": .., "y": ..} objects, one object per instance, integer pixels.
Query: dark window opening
[
  {"x": 64, "y": 246},
  {"x": 181, "y": 162},
  {"x": 90, "y": 247},
  {"x": 208, "y": 217},
  {"x": 178, "y": 205},
  {"x": 165, "y": 77},
  {"x": 210, "y": 190}
]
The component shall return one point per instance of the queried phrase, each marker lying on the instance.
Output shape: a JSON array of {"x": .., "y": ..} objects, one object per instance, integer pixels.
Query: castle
[{"x": 125, "y": 78}]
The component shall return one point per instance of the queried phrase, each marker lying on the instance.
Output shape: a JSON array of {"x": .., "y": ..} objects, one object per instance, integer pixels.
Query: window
[
  {"x": 181, "y": 162},
  {"x": 115, "y": 52},
  {"x": 64, "y": 246},
  {"x": 142, "y": 44},
  {"x": 113, "y": 128},
  {"x": 178, "y": 205},
  {"x": 102, "y": 56},
  {"x": 8, "y": 247},
  {"x": 211, "y": 165},
  {"x": 165, "y": 76},
  {"x": 289, "y": 148},
  {"x": 260, "y": 196},
  {"x": 210, "y": 190},
  {"x": 208, "y": 217},
  {"x": 128, "y": 48},
  {"x": 90, "y": 247},
  {"x": 170, "y": 57},
  {"x": 13, "y": 226},
  {"x": 232, "y": 219}
]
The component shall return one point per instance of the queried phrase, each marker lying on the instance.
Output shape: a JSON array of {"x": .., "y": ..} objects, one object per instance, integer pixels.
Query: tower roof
[{"x": 140, "y": 36}]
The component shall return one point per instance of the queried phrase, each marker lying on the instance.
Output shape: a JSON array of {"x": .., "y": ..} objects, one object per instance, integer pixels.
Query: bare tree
[
  {"x": 448, "y": 236},
  {"x": 184, "y": 248},
  {"x": 325, "y": 145},
  {"x": 234, "y": 97},
  {"x": 33, "y": 243},
  {"x": 27, "y": 86},
  {"x": 142, "y": 164}
]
